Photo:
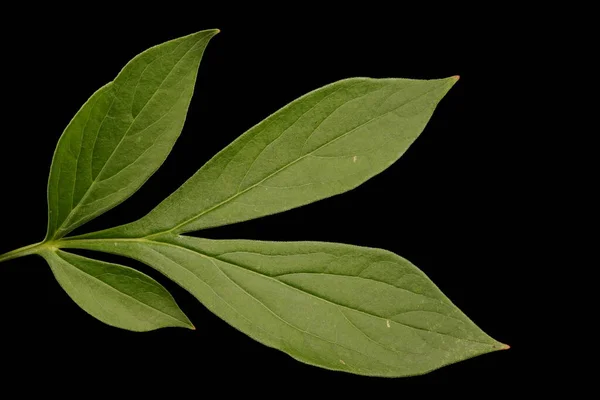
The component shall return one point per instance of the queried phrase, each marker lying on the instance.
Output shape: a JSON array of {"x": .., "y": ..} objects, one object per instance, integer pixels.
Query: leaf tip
[
  {"x": 504, "y": 347},
  {"x": 456, "y": 77}
]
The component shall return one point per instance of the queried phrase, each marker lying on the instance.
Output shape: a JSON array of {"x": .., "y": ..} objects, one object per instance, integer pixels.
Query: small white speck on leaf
[
  {"x": 354, "y": 158},
  {"x": 387, "y": 322},
  {"x": 342, "y": 361}
]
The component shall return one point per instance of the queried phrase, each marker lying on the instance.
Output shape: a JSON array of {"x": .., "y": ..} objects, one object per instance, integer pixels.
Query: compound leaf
[{"x": 341, "y": 307}]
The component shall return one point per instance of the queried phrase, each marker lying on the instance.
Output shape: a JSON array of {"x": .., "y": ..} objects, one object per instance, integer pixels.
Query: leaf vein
[{"x": 289, "y": 127}]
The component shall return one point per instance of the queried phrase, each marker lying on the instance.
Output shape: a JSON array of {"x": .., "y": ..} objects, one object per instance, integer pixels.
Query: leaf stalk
[{"x": 23, "y": 251}]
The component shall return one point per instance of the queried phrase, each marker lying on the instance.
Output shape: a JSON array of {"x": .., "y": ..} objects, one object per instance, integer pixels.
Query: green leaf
[
  {"x": 325, "y": 143},
  {"x": 341, "y": 307},
  {"x": 123, "y": 133},
  {"x": 114, "y": 294}
]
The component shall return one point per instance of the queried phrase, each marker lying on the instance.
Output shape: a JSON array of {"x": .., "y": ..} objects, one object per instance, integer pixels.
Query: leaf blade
[
  {"x": 340, "y": 307},
  {"x": 114, "y": 294},
  {"x": 123, "y": 133},
  {"x": 325, "y": 143}
]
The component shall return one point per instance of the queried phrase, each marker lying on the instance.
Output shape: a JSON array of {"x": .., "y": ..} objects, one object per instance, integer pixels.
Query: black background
[{"x": 445, "y": 205}]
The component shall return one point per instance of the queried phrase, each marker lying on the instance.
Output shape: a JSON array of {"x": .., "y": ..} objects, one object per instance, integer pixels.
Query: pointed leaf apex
[{"x": 456, "y": 77}]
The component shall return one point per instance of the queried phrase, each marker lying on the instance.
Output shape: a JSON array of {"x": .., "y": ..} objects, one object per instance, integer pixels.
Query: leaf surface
[
  {"x": 354, "y": 309},
  {"x": 114, "y": 294},
  {"x": 325, "y": 143},
  {"x": 123, "y": 133}
]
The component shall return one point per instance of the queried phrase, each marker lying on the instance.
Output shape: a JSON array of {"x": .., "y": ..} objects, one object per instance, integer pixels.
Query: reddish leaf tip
[
  {"x": 504, "y": 347},
  {"x": 456, "y": 77}
]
